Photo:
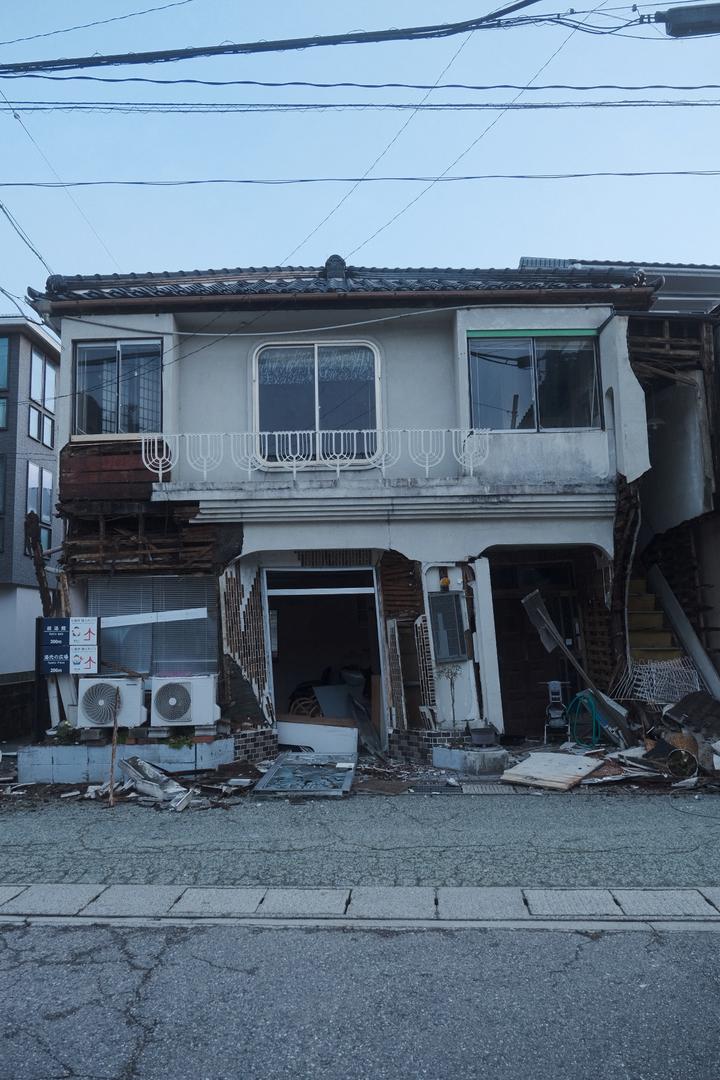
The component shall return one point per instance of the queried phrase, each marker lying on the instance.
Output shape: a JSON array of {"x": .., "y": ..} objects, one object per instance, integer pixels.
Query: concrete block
[
  {"x": 70, "y": 768},
  {"x": 471, "y": 762},
  {"x": 7, "y": 892},
  {"x": 298, "y": 903},
  {"x": 91, "y": 764},
  {"x": 378, "y": 902},
  {"x": 663, "y": 903},
  {"x": 481, "y": 903},
  {"x": 134, "y": 900},
  {"x": 34, "y": 763},
  {"x": 563, "y": 902},
  {"x": 52, "y": 899},
  {"x": 221, "y": 903}
]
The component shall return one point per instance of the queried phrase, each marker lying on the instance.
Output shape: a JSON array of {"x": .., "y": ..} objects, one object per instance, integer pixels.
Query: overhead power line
[
  {"x": 494, "y": 20},
  {"x": 476, "y": 140},
  {"x": 480, "y": 87},
  {"x": 224, "y": 107},
  {"x": 97, "y": 22},
  {"x": 57, "y": 176},
  {"x": 18, "y": 229},
  {"x": 287, "y": 181},
  {"x": 379, "y": 157}
]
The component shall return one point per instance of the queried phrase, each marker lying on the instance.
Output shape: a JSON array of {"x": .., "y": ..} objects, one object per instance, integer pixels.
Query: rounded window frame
[{"x": 315, "y": 343}]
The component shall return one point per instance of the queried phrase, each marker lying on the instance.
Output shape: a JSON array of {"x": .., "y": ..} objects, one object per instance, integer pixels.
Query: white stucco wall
[
  {"x": 96, "y": 328},
  {"x": 208, "y": 385},
  {"x": 632, "y": 457},
  {"x": 679, "y": 485}
]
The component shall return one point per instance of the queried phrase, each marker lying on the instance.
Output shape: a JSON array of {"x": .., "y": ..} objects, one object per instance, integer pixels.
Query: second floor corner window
[
  {"x": 316, "y": 397},
  {"x": 534, "y": 383},
  {"x": 118, "y": 387},
  {"x": 41, "y": 417}
]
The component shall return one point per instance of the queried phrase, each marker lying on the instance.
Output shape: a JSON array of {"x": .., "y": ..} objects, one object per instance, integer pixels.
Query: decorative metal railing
[{"x": 429, "y": 450}]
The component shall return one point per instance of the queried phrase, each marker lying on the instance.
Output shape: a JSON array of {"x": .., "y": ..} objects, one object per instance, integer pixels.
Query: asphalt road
[
  {"x": 574, "y": 840},
  {"x": 220, "y": 1003}
]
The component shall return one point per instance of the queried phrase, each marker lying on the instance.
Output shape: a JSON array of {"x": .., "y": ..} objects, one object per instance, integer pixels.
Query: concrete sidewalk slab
[
  {"x": 299, "y": 903},
  {"x": 387, "y": 902},
  {"x": 571, "y": 902},
  {"x": 655, "y": 903},
  {"x": 7, "y": 892},
  {"x": 713, "y": 895},
  {"x": 52, "y": 900},
  {"x": 465, "y": 902},
  {"x": 129, "y": 900},
  {"x": 218, "y": 903}
]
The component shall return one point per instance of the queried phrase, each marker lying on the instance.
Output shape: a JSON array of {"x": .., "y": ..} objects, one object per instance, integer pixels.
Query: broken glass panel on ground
[{"x": 309, "y": 774}]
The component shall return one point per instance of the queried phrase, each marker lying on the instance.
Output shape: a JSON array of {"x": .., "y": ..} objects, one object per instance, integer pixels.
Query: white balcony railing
[{"x": 430, "y": 450}]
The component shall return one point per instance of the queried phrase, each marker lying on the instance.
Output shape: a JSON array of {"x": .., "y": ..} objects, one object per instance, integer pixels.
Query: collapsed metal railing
[{"x": 429, "y": 449}]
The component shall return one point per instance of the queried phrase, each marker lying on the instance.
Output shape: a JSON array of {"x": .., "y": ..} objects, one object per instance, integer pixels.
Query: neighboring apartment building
[
  {"x": 354, "y": 468},
  {"x": 29, "y": 375}
]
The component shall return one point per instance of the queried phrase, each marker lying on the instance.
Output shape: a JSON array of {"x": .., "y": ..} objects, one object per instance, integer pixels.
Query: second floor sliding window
[
  {"x": 309, "y": 396},
  {"x": 534, "y": 383},
  {"x": 118, "y": 387}
]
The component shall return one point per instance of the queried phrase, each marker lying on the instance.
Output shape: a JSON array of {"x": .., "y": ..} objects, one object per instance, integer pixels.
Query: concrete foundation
[
  {"x": 91, "y": 764},
  {"x": 475, "y": 762}
]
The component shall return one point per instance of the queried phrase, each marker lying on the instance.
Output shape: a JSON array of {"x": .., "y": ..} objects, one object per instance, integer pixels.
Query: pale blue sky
[{"x": 474, "y": 224}]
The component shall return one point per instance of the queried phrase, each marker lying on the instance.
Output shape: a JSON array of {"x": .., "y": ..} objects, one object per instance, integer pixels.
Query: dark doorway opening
[
  {"x": 526, "y": 667},
  {"x": 324, "y": 634}
]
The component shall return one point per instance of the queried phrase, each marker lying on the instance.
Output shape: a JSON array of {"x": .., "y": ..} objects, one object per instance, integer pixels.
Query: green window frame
[{"x": 535, "y": 380}]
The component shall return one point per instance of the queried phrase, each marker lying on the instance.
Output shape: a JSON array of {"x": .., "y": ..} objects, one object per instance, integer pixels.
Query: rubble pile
[{"x": 677, "y": 748}]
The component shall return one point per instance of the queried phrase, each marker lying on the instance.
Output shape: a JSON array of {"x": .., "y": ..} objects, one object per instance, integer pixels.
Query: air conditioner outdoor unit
[
  {"x": 184, "y": 701},
  {"x": 99, "y": 698}
]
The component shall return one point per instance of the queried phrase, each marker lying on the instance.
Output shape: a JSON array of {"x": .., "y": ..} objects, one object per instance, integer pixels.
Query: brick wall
[
  {"x": 256, "y": 744},
  {"x": 417, "y": 746}
]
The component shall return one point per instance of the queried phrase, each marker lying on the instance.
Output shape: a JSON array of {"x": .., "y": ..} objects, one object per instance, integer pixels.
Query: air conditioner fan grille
[
  {"x": 100, "y": 702},
  {"x": 172, "y": 702}
]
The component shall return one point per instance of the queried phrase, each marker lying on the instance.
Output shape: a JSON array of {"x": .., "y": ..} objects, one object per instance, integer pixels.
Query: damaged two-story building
[{"x": 359, "y": 472}]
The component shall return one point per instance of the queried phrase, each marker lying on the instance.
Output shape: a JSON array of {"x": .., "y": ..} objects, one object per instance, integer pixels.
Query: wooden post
[{"x": 113, "y": 751}]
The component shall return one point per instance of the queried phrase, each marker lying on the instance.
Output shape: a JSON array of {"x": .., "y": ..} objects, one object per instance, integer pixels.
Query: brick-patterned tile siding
[
  {"x": 417, "y": 746},
  {"x": 256, "y": 744}
]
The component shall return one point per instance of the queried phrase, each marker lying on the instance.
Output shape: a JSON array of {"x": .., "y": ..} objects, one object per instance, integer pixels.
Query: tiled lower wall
[
  {"x": 256, "y": 744},
  {"x": 417, "y": 746}
]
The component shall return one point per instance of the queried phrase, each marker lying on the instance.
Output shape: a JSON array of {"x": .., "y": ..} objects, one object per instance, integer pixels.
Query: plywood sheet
[{"x": 557, "y": 772}]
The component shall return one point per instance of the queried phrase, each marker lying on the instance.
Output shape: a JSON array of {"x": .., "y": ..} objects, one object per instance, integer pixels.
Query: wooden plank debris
[{"x": 557, "y": 772}]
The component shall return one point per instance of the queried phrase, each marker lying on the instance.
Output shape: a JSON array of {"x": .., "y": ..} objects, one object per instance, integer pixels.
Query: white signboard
[
  {"x": 84, "y": 632},
  {"x": 83, "y": 659}
]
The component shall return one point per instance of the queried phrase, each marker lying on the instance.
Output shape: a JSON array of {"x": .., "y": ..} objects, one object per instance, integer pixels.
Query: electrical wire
[
  {"x": 24, "y": 236},
  {"x": 53, "y": 170},
  {"x": 287, "y": 181},
  {"x": 386, "y": 149},
  {"x": 221, "y": 107},
  {"x": 372, "y": 37},
  {"x": 403, "y": 210},
  {"x": 373, "y": 86},
  {"x": 97, "y": 22}
]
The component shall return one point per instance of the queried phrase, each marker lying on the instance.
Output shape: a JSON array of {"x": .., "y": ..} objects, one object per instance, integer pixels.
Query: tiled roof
[
  {"x": 333, "y": 279},
  {"x": 534, "y": 263}
]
